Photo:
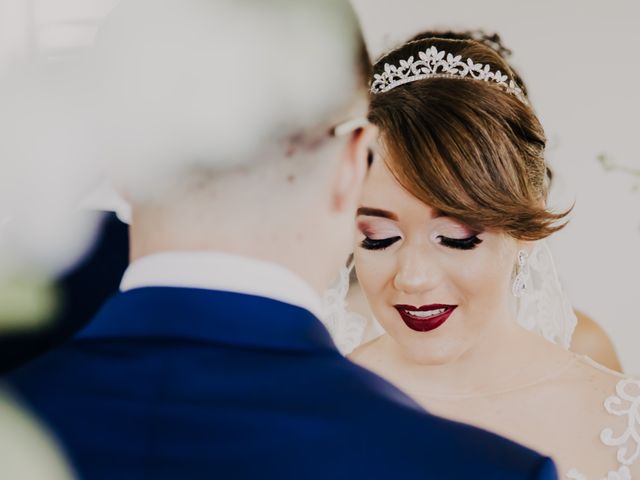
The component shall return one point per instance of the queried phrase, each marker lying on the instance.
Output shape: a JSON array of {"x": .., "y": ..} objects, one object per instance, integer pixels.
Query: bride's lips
[{"x": 426, "y": 317}]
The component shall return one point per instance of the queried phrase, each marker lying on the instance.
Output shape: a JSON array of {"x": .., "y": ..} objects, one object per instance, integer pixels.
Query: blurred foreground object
[
  {"x": 46, "y": 168},
  {"x": 36, "y": 248},
  {"x": 68, "y": 302},
  {"x": 26, "y": 451},
  {"x": 27, "y": 301}
]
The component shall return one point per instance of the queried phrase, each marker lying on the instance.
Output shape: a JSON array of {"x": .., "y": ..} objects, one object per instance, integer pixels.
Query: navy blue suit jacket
[{"x": 177, "y": 383}]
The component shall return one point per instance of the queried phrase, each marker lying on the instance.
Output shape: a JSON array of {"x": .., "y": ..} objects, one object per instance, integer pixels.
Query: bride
[{"x": 452, "y": 261}]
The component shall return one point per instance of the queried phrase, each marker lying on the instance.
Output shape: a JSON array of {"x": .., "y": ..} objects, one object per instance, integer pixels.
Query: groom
[{"x": 211, "y": 362}]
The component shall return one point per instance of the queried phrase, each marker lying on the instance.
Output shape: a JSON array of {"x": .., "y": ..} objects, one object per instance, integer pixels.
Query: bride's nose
[{"x": 416, "y": 272}]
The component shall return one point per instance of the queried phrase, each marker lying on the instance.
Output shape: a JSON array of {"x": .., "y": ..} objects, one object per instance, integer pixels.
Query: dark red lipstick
[{"x": 426, "y": 317}]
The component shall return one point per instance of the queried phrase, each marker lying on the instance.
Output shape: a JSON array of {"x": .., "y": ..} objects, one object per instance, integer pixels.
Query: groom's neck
[{"x": 287, "y": 246}]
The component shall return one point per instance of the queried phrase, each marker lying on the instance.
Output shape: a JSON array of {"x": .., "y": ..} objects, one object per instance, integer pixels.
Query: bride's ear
[{"x": 353, "y": 167}]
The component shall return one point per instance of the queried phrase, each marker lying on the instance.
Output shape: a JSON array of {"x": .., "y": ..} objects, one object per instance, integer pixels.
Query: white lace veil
[
  {"x": 544, "y": 309},
  {"x": 346, "y": 328}
]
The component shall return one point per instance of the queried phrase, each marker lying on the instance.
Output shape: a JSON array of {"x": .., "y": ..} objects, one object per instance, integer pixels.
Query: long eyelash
[
  {"x": 371, "y": 244},
  {"x": 468, "y": 243}
]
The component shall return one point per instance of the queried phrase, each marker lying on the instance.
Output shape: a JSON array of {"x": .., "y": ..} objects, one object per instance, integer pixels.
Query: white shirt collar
[{"x": 221, "y": 271}]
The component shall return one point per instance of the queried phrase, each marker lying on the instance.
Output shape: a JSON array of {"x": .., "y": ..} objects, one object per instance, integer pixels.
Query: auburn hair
[{"x": 467, "y": 148}]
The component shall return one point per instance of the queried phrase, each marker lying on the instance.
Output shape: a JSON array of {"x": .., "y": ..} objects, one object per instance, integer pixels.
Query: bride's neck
[{"x": 503, "y": 358}]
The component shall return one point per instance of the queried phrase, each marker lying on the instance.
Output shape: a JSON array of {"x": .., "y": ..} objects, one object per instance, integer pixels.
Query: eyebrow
[{"x": 376, "y": 212}]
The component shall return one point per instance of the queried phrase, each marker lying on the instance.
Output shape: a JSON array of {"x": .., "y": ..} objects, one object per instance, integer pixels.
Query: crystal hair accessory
[{"x": 433, "y": 63}]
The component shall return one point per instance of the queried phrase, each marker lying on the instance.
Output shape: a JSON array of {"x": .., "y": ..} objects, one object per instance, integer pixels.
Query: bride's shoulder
[
  {"x": 596, "y": 378},
  {"x": 592, "y": 388}
]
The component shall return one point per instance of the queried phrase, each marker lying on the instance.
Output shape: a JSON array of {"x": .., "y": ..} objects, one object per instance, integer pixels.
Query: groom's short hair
[{"x": 222, "y": 84}]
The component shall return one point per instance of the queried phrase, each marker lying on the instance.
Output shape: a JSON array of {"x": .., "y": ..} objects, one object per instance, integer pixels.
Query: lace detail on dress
[
  {"x": 623, "y": 473},
  {"x": 625, "y": 403}
]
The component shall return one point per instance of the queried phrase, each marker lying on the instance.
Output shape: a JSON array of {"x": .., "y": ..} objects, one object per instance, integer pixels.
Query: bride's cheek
[
  {"x": 373, "y": 271},
  {"x": 483, "y": 279}
]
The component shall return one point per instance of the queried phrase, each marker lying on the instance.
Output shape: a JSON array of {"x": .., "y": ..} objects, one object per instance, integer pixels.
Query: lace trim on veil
[
  {"x": 346, "y": 328},
  {"x": 545, "y": 309}
]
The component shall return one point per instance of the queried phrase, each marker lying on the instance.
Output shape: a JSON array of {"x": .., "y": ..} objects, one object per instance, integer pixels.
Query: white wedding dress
[{"x": 589, "y": 434}]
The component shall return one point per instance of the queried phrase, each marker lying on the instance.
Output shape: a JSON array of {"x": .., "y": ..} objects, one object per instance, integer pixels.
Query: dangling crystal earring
[{"x": 521, "y": 282}]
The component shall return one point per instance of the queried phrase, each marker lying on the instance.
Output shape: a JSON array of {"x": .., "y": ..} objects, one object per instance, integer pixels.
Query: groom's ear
[{"x": 353, "y": 167}]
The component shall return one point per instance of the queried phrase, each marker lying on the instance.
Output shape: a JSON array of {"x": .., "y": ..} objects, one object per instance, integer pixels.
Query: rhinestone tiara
[{"x": 433, "y": 63}]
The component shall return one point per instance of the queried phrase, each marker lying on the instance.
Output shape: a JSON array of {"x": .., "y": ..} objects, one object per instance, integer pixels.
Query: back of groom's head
[
  {"x": 220, "y": 112},
  {"x": 215, "y": 82}
]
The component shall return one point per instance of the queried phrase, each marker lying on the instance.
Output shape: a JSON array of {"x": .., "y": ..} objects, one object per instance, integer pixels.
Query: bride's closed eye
[
  {"x": 378, "y": 234},
  {"x": 371, "y": 244},
  {"x": 468, "y": 243},
  {"x": 452, "y": 234}
]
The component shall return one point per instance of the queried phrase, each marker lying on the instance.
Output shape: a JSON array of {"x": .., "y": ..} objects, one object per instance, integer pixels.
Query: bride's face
[{"x": 437, "y": 287}]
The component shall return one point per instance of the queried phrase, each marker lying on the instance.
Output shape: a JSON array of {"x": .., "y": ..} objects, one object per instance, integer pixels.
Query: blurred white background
[{"x": 579, "y": 61}]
